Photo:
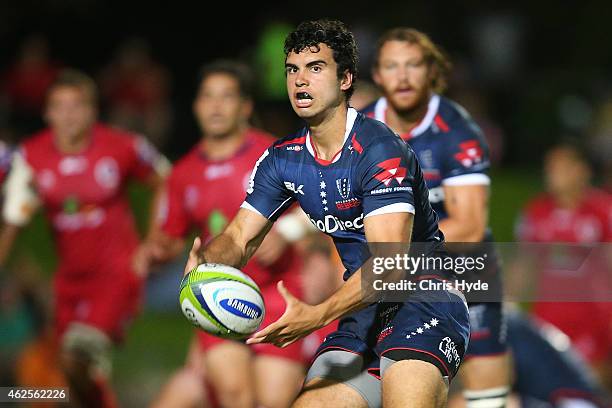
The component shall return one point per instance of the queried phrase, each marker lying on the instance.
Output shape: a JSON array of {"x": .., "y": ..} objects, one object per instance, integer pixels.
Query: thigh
[
  {"x": 413, "y": 383},
  {"x": 230, "y": 368},
  {"x": 277, "y": 381},
  {"x": 320, "y": 392},
  {"x": 338, "y": 367},
  {"x": 344, "y": 365},
  {"x": 234, "y": 360},
  {"x": 110, "y": 302}
]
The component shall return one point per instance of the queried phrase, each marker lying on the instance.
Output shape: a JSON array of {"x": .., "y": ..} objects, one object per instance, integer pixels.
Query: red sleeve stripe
[{"x": 441, "y": 123}]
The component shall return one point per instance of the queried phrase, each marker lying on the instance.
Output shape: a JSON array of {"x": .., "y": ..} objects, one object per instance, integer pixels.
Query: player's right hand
[
  {"x": 195, "y": 256},
  {"x": 141, "y": 262}
]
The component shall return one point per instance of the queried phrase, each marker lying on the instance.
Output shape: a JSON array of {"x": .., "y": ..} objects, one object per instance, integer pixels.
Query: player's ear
[
  {"x": 247, "y": 108},
  {"x": 347, "y": 80},
  {"x": 376, "y": 76}
]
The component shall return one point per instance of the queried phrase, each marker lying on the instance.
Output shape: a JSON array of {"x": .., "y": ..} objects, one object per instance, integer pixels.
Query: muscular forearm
[
  {"x": 461, "y": 231},
  {"x": 223, "y": 249},
  {"x": 350, "y": 297}
]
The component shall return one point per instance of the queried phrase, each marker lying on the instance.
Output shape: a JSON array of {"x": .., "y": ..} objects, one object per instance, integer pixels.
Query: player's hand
[
  {"x": 271, "y": 249},
  {"x": 195, "y": 256},
  {"x": 143, "y": 257},
  {"x": 299, "y": 320}
]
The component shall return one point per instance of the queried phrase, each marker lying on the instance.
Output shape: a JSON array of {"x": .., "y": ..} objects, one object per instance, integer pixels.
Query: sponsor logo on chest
[
  {"x": 217, "y": 171},
  {"x": 330, "y": 224},
  {"x": 72, "y": 165}
]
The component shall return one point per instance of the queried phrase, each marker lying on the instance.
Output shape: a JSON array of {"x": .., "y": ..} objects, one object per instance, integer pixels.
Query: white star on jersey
[{"x": 434, "y": 322}]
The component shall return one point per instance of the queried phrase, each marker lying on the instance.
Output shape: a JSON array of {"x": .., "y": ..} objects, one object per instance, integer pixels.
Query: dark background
[{"x": 561, "y": 50}]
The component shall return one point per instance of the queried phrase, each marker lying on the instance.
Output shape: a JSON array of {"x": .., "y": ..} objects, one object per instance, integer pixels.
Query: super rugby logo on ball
[{"x": 222, "y": 300}]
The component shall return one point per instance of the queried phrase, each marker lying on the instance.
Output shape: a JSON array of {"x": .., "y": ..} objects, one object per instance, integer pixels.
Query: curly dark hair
[{"x": 336, "y": 36}]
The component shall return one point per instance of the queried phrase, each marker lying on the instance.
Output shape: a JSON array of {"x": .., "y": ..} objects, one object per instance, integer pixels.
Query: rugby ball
[{"x": 222, "y": 301}]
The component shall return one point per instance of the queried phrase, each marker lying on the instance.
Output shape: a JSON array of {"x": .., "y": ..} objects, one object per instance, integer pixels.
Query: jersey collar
[
  {"x": 351, "y": 116},
  {"x": 380, "y": 113}
]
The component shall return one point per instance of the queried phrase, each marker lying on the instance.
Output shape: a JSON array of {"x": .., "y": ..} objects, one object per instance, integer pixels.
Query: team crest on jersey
[
  {"x": 391, "y": 170},
  {"x": 344, "y": 187},
  {"x": 470, "y": 154},
  {"x": 106, "y": 172}
]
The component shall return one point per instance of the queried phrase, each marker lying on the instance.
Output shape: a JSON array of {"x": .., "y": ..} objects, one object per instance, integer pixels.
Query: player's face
[
  {"x": 564, "y": 172},
  {"x": 219, "y": 107},
  {"x": 312, "y": 82},
  {"x": 403, "y": 75},
  {"x": 70, "y": 112}
]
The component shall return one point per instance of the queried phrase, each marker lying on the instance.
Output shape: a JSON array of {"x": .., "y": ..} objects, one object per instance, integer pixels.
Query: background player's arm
[
  {"x": 300, "y": 319},
  {"x": 467, "y": 207},
  {"x": 235, "y": 245},
  {"x": 465, "y": 184},
  {"x": 20, "y": 203}
]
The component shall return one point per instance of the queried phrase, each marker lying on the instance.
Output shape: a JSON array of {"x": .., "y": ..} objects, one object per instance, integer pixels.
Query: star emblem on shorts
[
  {"x": 434, "y": 322},
  {"x": 426, "y": 325},
  {"x": 420, "y": 330},
  {"x": 323, "y": 184},
  {"x": 323, "y": 194},
  {"x": 324, "y": 201}
]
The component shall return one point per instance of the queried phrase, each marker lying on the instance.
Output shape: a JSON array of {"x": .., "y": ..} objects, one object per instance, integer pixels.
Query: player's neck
[
  {"x": 73, "y": 145},
  {"x": 570, "y": 199},
  {"x": 404, "y": 121},
  {"x": 222, "y": 148},
  {"x": 327, "y": 134}
]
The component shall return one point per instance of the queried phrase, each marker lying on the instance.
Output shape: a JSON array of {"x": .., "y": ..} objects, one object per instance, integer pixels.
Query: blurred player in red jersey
[
  {"x": 410, "y": 71},
  {"x": 78, "y": 170},
  {"x": 572, "y": 211},
  {"x": 205, "y": 191}
]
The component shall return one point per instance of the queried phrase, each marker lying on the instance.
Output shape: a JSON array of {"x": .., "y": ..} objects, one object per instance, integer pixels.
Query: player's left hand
[
  {"x": 299, "y": 320},
  {"x": 195, "y": 257}
]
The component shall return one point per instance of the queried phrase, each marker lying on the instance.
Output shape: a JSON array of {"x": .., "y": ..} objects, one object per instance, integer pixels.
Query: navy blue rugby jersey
[
  {"x": 450, "y": 147},
  {"x": 374, "y": 173}
]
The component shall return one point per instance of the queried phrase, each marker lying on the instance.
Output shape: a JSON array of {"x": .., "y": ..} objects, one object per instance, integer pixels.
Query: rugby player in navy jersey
[
  {"x": 359, "y": 183},
  {"x": 410, "y": 72}
]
